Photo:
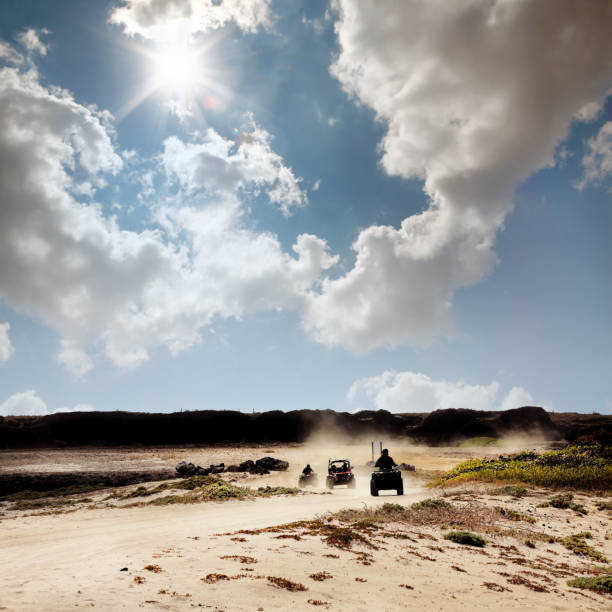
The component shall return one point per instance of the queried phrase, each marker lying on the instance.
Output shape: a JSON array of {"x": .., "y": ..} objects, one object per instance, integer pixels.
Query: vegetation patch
[
  {"x": 153, "y": 568},
  {"x": 283, "y": 583},
  {"x": 37, "y": 504},
  {"x": 241, "y": 558},
  {"x": 577, "y": 544},
  {"x": 513, "y": 515},
  {"x": 511, "y": 490},
  {"x": 203, "y": 489},
  {"x": 60, "y": 492},
  {"x": 321, "y": 576},
  {"x": 580, "y": 467},
  {"x": 564, "y": 500},
  {"x": 432, "y": 503},
  {"x": 602, "y": 584},
  {"x": 534, "y": 586},
  {"x": 466, "y": 537},
  {"x": 214, "y": 577},
  {"x": 604, "y": 505}
]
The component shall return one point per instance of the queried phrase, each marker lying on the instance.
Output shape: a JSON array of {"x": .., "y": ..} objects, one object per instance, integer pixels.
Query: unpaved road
[{"x": 52, "y": 562}]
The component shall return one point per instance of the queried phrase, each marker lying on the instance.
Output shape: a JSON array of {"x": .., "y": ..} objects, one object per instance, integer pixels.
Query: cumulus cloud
[
  {"x": 9, "y": 55},
  {"x": 517, "y": 396},
  {"x": 415, "y": 392},
  {"x": 31, "y": 40},
  {"x": 22, "y": 404},
  {"x": 219, "y": 166},
  {"x": 476, "y": 96},
  {"x": 28, "y": 403},
  {"x": 598, "y": 160},
  {"x": 173, "y": 19},
  {"x": 6, "y": 346},
  {"x": 66, "y": 263},
  {"x": 74, "y": 359}
]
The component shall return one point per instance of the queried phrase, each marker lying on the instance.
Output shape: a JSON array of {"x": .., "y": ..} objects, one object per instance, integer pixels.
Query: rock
[
  {"x": 190, "y": 469},
  {"x": 234, "y": 468},
  {"x": 270, "y": 463},
  {"x": 407, "y": 467},
  {"x": 247, "y": 466},
  {"x": 217, "y": 469}
]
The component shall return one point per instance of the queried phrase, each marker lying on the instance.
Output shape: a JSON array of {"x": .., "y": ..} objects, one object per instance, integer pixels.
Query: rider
[
  {"x": 307, "y": 470},
  {"x": 385, "y": 462}
]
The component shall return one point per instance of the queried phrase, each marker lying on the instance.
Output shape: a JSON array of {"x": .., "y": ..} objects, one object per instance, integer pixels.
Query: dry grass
[
  {"x": 283, "y": 583},
  {"x": 321, "y": 576}
]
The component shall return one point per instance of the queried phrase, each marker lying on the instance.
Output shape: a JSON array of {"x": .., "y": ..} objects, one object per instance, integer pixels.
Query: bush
[
  {"x": 432, "y": 503},
  {"x": 603, "y": 584},
  {"x": 465, "y": 537},
  {"x": 580, "y": 467}
]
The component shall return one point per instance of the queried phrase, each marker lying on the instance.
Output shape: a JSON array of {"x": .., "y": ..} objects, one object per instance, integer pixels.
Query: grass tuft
[
  {"x": 465, "y": 537},
  {"x": 430, "y": 504}
]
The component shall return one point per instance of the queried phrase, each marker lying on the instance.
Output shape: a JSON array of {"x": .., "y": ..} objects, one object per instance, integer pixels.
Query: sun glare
[{"x": 176, "y": 68}]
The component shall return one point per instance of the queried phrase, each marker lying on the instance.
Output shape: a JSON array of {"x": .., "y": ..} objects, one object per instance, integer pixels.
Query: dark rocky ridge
[{"x": 216, "y": 427}]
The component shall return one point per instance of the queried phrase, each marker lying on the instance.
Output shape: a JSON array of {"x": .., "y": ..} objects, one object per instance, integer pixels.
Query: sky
[{"x": 264, "y": 205}]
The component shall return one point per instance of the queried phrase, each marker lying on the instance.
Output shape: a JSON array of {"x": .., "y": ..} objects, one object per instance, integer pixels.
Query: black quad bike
[
  {"x": 386, "y": 479},
  {"x": 308, "y": 480},
  {"x": 339, "y": 472}
]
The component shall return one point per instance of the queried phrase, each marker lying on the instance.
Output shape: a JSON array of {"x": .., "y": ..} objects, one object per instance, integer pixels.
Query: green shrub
[
  {"x": 602, "y": 584},
  {"x": 465, "y": 537},
  {"x": 577, "y": 544},
  {"x": 581, "y": 467},
  {"x": 432, "y": 503}
]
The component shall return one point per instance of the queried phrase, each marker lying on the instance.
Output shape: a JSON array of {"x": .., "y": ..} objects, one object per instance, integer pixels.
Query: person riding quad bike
[
  {"x": 385, "y": 461},
  {"x": 307, "y": 477},
  {"x": 385, "y": 477}
]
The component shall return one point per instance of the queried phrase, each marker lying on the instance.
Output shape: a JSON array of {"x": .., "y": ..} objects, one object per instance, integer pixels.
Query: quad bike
[
  {"x": 339, "y": 472},
  {"x": 386, "y": 479},
  {"x": 308, "y": 480}
]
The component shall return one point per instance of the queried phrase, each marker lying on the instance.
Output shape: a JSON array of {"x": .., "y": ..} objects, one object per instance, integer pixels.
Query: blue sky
[{"x": 274, "y": 206}]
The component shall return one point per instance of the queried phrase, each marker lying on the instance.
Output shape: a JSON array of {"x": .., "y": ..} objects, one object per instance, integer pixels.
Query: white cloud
[
  {"x": 517, "y": 397},
  {"x": 221, "y": 167},
  {"x": 31, "y": 40},
  {"x": 77, "y": 408},
  {"x": 22, "y": 404},
  {"x": 174, "y": 19},
  {"x": 415, "y": 392},
  {"x": 28, "y": 403},
  {"x": 64, "y": 262},
  {"x": 6, "y": 346},
  {"x": 476, "y": 97},
  {"x": 74, "y": 359},
  {"x": 9, "y": 54},
  {"x": 598, "y": 160}
]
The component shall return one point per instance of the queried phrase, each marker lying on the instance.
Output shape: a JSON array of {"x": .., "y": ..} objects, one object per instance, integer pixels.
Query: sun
[{"x": 176, "y": 68}]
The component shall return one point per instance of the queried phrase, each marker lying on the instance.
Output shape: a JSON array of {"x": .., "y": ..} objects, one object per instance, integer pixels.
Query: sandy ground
[{"x": 57, "y": 562}]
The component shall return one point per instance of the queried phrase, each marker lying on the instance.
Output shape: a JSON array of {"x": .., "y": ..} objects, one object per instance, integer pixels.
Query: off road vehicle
[
  {"x": 339, "y": 472},
  {"x": 308, "y": 480},
  {"x": 386, "y": 479}
]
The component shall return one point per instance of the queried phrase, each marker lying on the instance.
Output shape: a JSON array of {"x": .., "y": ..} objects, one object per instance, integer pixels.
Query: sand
[{"x": 62, "y": 561}]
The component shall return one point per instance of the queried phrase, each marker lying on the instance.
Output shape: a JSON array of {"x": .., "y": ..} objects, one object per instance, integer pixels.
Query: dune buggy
[{"x": 340, "y": 472}]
